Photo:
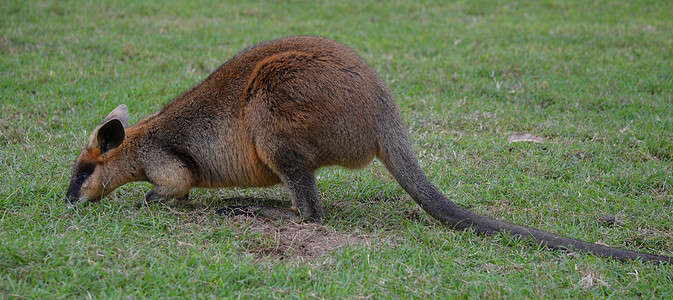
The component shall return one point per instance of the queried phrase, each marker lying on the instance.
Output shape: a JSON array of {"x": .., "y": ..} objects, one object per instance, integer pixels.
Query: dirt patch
[
  {"x": 294, "y": 241},
  {"x": 276, "y": 240}
]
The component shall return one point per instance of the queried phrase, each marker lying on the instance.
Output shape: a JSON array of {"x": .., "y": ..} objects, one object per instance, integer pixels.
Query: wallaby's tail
[{"x": 397, "y": 155}]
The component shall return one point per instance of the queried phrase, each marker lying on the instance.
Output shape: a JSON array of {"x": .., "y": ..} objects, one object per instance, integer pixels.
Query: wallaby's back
[{"x": 316, "y": 92}]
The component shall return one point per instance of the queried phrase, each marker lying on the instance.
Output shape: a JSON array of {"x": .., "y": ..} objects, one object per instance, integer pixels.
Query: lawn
[{"x": 592, "y": 79}]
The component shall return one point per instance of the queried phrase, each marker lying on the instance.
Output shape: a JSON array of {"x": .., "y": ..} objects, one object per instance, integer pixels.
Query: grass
[{"x": 593, "y": 78}]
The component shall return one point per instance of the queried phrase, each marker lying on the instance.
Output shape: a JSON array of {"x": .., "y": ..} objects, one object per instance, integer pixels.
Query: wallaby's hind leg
[
  {"x": 301, "y": 186},
  {"x": 305, "y": 201},
  {"x": 304, "y": 194},
  {"x": 296, "y": 173}
]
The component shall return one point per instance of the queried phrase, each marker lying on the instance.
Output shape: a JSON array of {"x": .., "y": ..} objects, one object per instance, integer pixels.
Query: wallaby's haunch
[{"x": 275, "y": 113}]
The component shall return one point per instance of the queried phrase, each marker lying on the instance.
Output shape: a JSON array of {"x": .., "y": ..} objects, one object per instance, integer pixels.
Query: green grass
[{"x": 593, "y": 78}]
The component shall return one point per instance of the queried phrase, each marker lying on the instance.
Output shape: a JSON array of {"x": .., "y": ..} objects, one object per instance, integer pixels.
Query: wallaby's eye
[
  {"x": 85, "y": 170},
  {"x": 81, "y": 177}
]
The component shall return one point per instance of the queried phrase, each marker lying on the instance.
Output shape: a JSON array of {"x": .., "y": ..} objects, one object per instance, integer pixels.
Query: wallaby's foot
[{"x": 182, "y": 201}]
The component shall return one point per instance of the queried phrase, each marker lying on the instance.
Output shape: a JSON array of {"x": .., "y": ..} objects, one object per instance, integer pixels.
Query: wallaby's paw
[{"x": 152, "y": 197}]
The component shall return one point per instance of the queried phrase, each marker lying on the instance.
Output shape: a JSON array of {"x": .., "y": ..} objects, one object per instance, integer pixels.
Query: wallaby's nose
[{"x": 72, "y": 195}]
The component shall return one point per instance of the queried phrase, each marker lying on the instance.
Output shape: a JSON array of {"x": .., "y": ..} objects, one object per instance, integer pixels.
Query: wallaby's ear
[
  {"x": 120, "y": 113},
  {"x": 110, "y": 135}
]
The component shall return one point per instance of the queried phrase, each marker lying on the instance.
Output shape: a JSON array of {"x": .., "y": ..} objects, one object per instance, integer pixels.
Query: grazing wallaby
[{"x": 275, "y": 113}]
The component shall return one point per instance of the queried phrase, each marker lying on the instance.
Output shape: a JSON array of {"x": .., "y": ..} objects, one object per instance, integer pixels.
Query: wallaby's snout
[
  {"x": 72, "y": 195},
  {"x": 80, "y": 181}
]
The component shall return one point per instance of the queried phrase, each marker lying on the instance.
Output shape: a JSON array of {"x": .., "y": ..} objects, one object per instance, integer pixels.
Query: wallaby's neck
[{"x": 130, "y": 166}]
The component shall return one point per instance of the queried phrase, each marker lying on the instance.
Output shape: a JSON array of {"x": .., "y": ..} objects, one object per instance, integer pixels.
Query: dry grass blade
[{"x": 524, "y": 137}]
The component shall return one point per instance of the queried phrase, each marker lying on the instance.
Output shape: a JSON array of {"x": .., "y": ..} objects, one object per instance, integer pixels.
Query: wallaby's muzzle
[{"x": 72, "y": 194}]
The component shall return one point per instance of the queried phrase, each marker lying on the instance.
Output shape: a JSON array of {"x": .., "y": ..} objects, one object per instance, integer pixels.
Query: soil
[{"x": 294, "y": 241}]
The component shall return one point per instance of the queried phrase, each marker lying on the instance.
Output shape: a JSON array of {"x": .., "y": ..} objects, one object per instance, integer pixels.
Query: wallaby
[{"x": 275, "y": 113}]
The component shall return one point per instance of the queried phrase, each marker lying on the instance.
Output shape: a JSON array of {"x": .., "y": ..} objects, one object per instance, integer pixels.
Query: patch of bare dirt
[
  {"x": 294, "y": 241},
  {"x": 276, "y": 240}
]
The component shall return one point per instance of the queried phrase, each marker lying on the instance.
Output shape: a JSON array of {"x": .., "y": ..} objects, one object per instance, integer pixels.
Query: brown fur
[{"x": 275, "y": 113}]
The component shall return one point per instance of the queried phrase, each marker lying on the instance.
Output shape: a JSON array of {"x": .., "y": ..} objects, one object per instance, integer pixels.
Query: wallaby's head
[{"x": 94, "y": 174}]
